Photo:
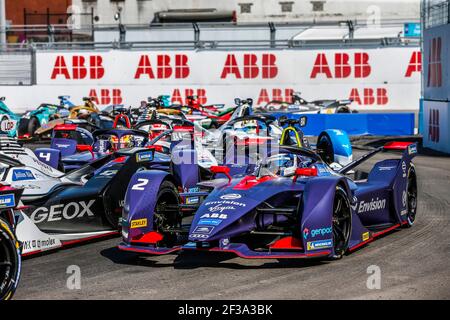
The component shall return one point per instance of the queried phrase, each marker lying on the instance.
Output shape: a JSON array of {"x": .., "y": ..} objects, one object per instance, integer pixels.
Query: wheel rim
[
  {"x": 412, "y": 199},
  {"x": 341, "y": 222},
  {"x": 166, "y": 217},
  {"x": 8, "y": 265}
]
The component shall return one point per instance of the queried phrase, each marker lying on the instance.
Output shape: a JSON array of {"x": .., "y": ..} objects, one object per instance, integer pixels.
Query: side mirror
[
  {"x": 221, "y": 169},
  {"x": 304, "y": 172}
]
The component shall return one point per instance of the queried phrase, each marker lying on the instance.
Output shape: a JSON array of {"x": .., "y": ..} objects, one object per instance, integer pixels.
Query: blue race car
[{"x": 293, "y": 205}]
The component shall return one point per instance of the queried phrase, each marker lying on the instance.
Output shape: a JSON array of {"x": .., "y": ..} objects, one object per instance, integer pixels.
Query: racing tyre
[
  {"x": 33, "y": 125},
  {"x": 10, "y": 261},
  {"x": 411, "y": 198},
  {"x": 167, "y": 215},
  {"x": 342, "y": 220}
]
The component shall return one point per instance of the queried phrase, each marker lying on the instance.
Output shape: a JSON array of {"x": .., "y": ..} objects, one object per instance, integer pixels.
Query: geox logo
[
  {"x": 67, "y": 211},
  {"x": 373, "y": 205}
]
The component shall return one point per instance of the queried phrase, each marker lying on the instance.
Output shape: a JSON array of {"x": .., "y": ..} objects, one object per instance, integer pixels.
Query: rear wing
[{"x": 409, "y": 150}]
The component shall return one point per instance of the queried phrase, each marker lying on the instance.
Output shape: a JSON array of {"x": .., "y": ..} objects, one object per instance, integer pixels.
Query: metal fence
[{"x": 435, "y": 13}]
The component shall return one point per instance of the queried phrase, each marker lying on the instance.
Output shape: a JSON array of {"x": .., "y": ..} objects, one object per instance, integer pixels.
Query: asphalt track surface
[{"x": 414, "y": 264}]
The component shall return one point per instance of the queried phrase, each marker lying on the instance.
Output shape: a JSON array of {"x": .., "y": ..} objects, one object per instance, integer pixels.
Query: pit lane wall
[
  {"x": 436, "y": 88},
  {"x": 376, "y": 78}
]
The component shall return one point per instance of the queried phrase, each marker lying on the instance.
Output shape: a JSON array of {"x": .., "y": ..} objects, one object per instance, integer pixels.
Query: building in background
[
  {"x": 436, "y": 75},
  {"x": 304, "y": 11}
]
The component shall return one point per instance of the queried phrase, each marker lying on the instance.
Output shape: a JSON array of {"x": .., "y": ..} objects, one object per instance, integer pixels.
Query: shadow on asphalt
[{"x": 194, "y": 260}]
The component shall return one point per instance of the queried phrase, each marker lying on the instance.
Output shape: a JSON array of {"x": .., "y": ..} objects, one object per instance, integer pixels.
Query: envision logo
[
  {"x": 373, "y": 205},
  {"x": 433, "y": 125}
]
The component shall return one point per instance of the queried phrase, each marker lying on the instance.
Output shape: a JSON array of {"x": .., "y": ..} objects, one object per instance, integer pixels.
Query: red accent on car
[
  {"x": 251, "y": 181},
  {"x": 85, "y": 147},
  {"x": 122, "y": 116},
  {"x": 120, "y": 159},
  {"x": 151, "y": 237},
  {"x": 397, "y": 145},
  {"x": 306, "y": 172},
  {"x": 183, "y": 128},
  {"x": 287, "y": 243},
  {"x": 221, "y": 169},
  {"x": 157, "y": 148},
  {"x": 65, "y": 127}
]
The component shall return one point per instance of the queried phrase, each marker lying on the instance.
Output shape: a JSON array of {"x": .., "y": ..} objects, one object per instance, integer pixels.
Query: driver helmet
[{"x": 282, "y": 164}]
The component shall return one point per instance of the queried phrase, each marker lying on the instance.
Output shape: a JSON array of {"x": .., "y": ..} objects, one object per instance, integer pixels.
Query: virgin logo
[
  {"x": 433, "y": 125},
  {"x": 434, "y": 63},
  {"x": 343, "y": 66}
]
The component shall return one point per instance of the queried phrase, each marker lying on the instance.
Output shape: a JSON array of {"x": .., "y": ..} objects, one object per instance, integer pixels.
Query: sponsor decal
[
  {"x": 144, "y": 156},
  {"x": 195, "y": 189},
  {"x": 22, "y": 174},
  {"x": 305, "y": 233},
  {"x": 203, "y": 229},
  {"x": 412, "y": 149},
  {"x": 365, "y": 236},
  {"x": 222, "y": 205},
  {"x": 224, "y": 242},
  {"x": 404, "y": 169},
  {"x": 372, "y": 205},
  {"x": 108, "y": 173},
  {"x": 7, "y": 200},
  {"x": 214, "y": 216},
  {"x": 198, "y": 236},
  {"x": 316, "y": 232},
  {"x": 192, "y": 200},
  {"x": 66, "y": 211},
  {"x": 209, "y": 222},
  {"x": 386, "y": 168},
  {"x": 403, "y": 212},
  {"x": 7, "y": 125},
  {"x": 139, "y": 223},
  {"x": 38, "y": 244},
  {"x": 319, "y": 244},
  {"x": 62, "y": 145},
  {"x": 230, "y": 196}
]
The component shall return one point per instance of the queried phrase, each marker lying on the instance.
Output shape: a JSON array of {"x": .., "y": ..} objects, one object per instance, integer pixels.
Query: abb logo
[
  {"x": 81, "y": 68},
  {"x": 166, "y": 67},
  {"x": 369, "y": 96},
  {"x": 277, "y": 94},
  {"x": 106, "y": 96},
  {"x": 178, "y": 98},
  {"x": 415, "y": 64},
  {"x": 252, "y": 66},
  {"x": 434, "y": 63},
  {"x": 433, "y": 125},
  {"x": 342, "y": 66}
]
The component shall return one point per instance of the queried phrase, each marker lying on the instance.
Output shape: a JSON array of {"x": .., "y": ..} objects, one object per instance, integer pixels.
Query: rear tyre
[
  {"x": 10, "y": 261},
  {"x": 167, "y": 214},
  {"x": 33, "y": 125},
  {"x": 411, "y": 198},
  {"x": 342, "y": 220}
]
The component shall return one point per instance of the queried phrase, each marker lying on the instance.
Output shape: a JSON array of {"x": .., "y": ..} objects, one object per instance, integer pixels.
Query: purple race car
[{"x": 293, "y": 205}]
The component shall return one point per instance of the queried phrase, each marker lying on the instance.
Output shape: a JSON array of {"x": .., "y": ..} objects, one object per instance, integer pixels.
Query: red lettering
[
  {"x": 342, "y": 68},
  {"x": 164, "y": 68},
  {"x": 176, "y": 96},
  {"x": 269, "y": 68},
  {"x": 60, "y": 68},
  {"x": 321, "y": 66},
  {"x": 144, "y": 68},
  {"x": 181, "y": 66},
  {"x": 354, "y": 95},
  {"x": 93, "y": 96},
  {"x": 78, "y": 67},
  {"x": 230, "y": 67},
  {"x": 105, "y": 98},
  {"x": 96, "y": 68},
  {"x": 263, "y": 97},
  {"x": 362, "y": 67},
  {"x": 288, "y": 95},
  {"x": 368, "y": 96},
  {"x": 415, "y": 64},
  {"x": 382, "y": 97},
  {"x": 201, "y": 94},
  {"x": 277, "y": 94},
  {"x": 117, "y": 96},
  {"x": 250, "y": 67}
]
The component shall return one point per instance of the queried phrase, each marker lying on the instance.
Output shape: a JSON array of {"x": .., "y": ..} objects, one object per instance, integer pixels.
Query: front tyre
[
  {"x": 167, "y": 215},
  {"x": 33, "y": 125},
  {"x": 10, "y": 261},
  {"x": 411, "y": 197},
  {"x": 342, "y": 220}
]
